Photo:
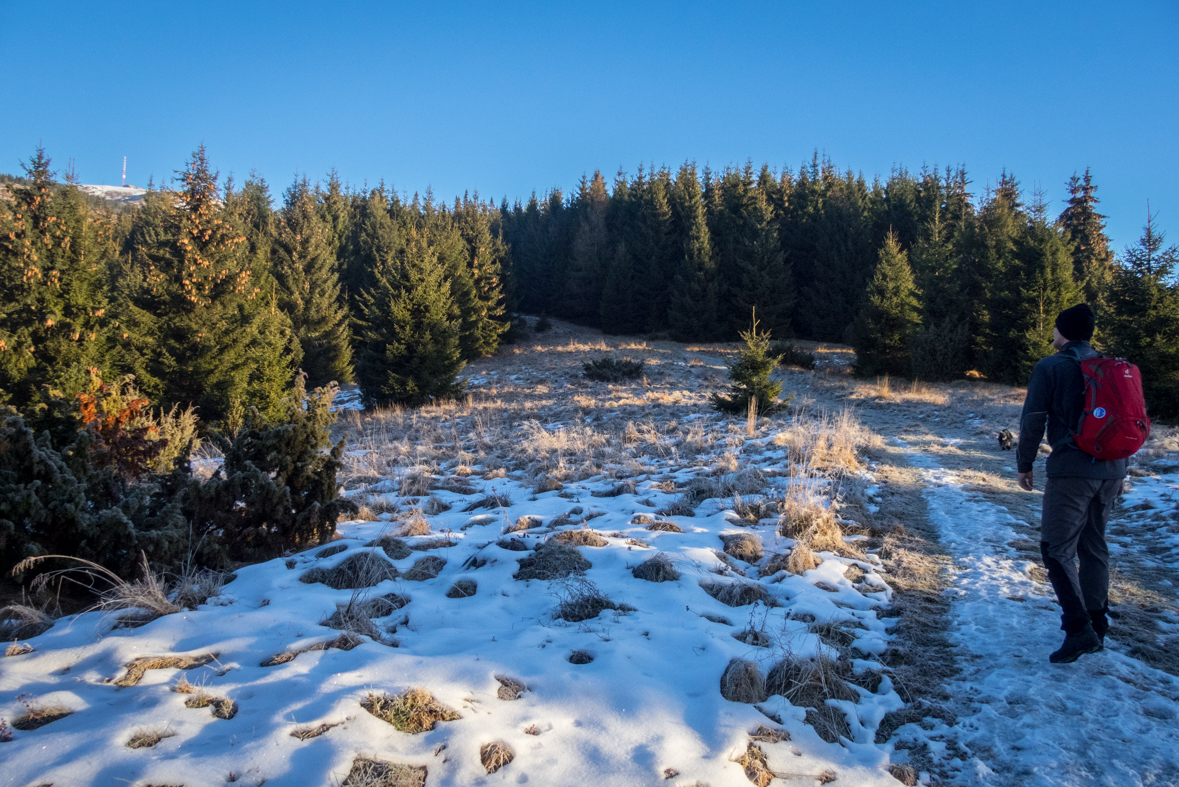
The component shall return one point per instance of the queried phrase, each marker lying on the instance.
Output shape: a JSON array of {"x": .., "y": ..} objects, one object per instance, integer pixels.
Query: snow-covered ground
[
  {"x": 124, "y": 195},
  {"x": 648, "y": 702},
  {"x": 1105, "y": 720},
  {"x": 647, "y": 709}
]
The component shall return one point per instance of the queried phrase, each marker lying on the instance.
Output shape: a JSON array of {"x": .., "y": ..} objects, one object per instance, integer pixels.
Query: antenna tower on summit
[{"x": 124, "y": 170}]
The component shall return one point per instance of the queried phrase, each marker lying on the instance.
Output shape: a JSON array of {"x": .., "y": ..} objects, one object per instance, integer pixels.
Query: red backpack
[{"x": 1113, "y": 423}]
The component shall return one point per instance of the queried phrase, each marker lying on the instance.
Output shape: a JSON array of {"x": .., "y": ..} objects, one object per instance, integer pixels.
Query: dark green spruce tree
[
  {"x": 1143, "y": 324},
  {"x": 198, "y": 324},
  {"x": 54, "y": 253},
  {"x": 890, "y": 317},
  {"x": 750, "y": 377},
  {"x": 309, "y": 288},
  {"x": 692, "y": 312},
  {"x": 1085, "y": 228},
  {"x": 407, "y": 330}
]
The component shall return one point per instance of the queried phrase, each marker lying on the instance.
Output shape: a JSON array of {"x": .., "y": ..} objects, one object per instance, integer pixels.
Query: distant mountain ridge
[{"x": 123, "y": 195}]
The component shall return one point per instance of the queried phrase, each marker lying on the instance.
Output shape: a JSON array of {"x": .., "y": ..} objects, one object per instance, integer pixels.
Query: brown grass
[
  {"x": 23, "y": 621},
  {"x": 308, "y": 731},
  {"x": 809, "y": 683},
  {"x": 580, "y": 657},
  {"x": 743, "y": 546},
  {"x": 19, "y": 649},
  {"x": 657, "y": 568},
  {"x": 665, "y": 527},
  {"x": 413, "y": 711},
  {"x": 510, "y": 688},
  {"x": 394, "y": 547},
  {"x": 145, "y": 738},
  {"x": 369, "y": 772},
  {"x": 552, "y": 561},
  {"x": 414, "y": 525},
  {"x": 801, "y": 559},
  {"x": 765, "y": 734},
  {"x": 742, "y": 682},
  {"x": 739, "y": 594},
  {"x": 356, "y": 617},
  {"x": 342, "y": 642},
  {"x": 579, "y": 599},
  {"x": 137, "y": 668},
  {"x": 524, "y": 523},
  {"x": 583, "y": 537},
  {"x": 359, "y": 570},
  {"x": 756, "y": 767},
  {"x": 434, "y": 543},
  {"x": 806, "y": 516},
  {"x": 495, "y": 755},
  {"x": 462, "y": 588},
  {"x": 37, "y": 714},
  {"x": 425, "y": 568}
]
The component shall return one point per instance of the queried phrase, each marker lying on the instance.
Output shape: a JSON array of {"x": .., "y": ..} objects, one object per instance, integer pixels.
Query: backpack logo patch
[{"x": 1099, "y": 412}]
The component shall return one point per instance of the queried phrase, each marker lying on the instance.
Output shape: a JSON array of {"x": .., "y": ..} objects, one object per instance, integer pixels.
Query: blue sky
[{"x": 508, "y": 97}]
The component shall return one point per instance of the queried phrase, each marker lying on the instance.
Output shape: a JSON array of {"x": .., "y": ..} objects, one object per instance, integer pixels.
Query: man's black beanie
[{"x": 1076, "y": 324}]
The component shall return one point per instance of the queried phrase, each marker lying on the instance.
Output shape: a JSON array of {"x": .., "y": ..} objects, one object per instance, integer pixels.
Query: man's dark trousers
[{"x": 1072, "y": 526}]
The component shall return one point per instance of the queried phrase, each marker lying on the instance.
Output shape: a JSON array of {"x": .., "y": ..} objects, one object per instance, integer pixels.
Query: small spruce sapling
[{"x": 750, "y": 376}]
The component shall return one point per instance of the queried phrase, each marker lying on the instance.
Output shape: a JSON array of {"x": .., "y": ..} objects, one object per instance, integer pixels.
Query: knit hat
[{"x": 1076, "y": 324}]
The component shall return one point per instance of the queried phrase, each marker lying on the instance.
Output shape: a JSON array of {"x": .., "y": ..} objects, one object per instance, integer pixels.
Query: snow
[
  {"x": 120, "y": 194},
  {"x": 1107, "y": 719},
  {"x": 649, "y": 701}
]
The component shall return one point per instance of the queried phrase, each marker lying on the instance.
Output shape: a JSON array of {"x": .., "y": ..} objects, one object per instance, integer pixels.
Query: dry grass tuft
[
  {"x": 625, "y": 488},
  {"x": 809, "y": 683},
  {"x": 778, "y": 561},
  {"x": 462, "y": 588},
  {"x": 193, "y": 588},
  {"x": 37, "y": 715},
  {"x": 579, "y": 599},
  {"x": 221, "y": 707},
  {"x": 137, "y": 668},
  {"x": 905, "y": 774},
  {"x": 769, "y": 735},
  {"x": 658, "y": 568},
  {"x": 547, "y": 484},
  {"x": 368, "y": 772},
  {"x": 552, "y": 561},
  {"x": 21, "y": 621},
  {"x": 414, "y": 485},
  {"x": 335, "y": 549},
  {"x": 665, "y": 527},
  {"x": 742, "y": 682},
  {"x": 145, "y": 738},
  {"x": 433, "y": 506},
  {"x": 807, "y": 517},
  {"x": 345, "y": 641},
  {"x": 308, "y": 731},
  {"x": 743, "y": 546},
  {"x": 413, "y": 711},
  {"x": 394, "y": 547},
  {"x": 580, "y": 657},
  {"x": 580, "y": 538},
  {"x": 19, "y": 649},
  {"x": 753, "y": 637},
  {"x": 359, "y": 570},
  {"x": 495, "y": 756},
  {"x": 492, "y": 500},
  {"x": 757, "y": 768},
  {"x": 425, "y": 568},
  {"x": 434, "y": 543},
  {"x": 510, "y": 688},
  {"x": 677, "y": 508},
  {"x": 525, "y": 523},
  {"x": 356, "y": 617},
  {"x": 801, "y": 559},
  {"x": 512, "y": 545},
  {"x": 739, "y": 594},
  {"x": 718, "y": 619},
  {"x": 415, "y": 525}
]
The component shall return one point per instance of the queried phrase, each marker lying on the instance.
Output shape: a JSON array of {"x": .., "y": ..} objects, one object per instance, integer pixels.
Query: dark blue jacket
[{"x": 1056, "y": 395}]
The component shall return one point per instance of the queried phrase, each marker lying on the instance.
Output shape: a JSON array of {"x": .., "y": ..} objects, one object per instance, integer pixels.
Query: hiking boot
[
  {"x": 1077, "y": 645},
  {"x": 1100, "y": 624}
]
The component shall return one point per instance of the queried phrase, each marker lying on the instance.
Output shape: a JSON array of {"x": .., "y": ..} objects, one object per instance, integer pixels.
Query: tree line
[
  {"x": 922, "y": 276},
  {"x": 215, "y": 294}
]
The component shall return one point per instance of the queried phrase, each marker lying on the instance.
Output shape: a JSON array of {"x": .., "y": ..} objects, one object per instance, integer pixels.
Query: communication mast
[{"x": 124, "y": 170}]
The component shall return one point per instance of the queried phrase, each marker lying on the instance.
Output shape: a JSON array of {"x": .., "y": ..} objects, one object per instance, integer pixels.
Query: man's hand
[{"x": 1025, "y": 480}]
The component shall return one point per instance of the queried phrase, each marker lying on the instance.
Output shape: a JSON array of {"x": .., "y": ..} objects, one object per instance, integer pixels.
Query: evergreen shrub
[
  {"x": 790, "y": 354},
  {"x": 939, "y": 352},
  {"x": 612, "y": 370},
  {"x": 750, "y": 376}
]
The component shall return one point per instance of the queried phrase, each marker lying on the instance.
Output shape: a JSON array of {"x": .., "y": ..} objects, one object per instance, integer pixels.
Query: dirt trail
[{"x": 1009, "y": 717}]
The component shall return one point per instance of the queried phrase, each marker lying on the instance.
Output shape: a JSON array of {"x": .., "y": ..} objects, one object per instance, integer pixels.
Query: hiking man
[{"x": 1080, "y": 490}]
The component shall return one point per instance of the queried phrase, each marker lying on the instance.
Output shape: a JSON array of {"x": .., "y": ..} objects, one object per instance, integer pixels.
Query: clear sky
[{"x": 509, "y": 97}]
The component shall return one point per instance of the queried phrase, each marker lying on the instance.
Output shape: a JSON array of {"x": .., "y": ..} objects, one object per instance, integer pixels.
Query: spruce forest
[{"x": 213, "y": 307}]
